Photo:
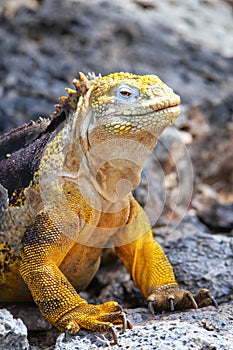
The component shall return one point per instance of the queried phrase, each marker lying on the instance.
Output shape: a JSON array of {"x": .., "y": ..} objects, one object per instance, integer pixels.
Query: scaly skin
[{"x": 79, "y": 201}]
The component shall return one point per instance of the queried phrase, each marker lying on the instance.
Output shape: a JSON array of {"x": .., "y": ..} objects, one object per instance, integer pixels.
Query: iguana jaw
[{"x": 153, "y": 121}]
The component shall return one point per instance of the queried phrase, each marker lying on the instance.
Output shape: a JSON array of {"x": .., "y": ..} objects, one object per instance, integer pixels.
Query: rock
[
  {"x": 30, "y": 315},
  {"x": 206, "y": 328},
  {"x": 13, "y": 333},
  {"x": 201, "y": 260},
  {"x": 200, "y": 329},
  {"x": 218, "y": 217},
  {"x": 167, "y": 181},
  {"x": 165, "y": 38}
]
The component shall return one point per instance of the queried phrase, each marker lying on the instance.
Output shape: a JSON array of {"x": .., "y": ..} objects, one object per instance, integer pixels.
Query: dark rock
[
  {"x": 201, "y": 260},
  {"x": 219, "y": 217}
]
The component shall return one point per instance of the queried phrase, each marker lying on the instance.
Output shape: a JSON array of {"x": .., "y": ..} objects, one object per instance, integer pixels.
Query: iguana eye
[{"x": 126, "y": 92}]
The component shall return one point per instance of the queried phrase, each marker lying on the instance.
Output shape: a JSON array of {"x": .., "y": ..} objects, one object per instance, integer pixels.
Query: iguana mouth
[
  {"x": 172, "y": 111},
  {"x": 168, "y": 107}
]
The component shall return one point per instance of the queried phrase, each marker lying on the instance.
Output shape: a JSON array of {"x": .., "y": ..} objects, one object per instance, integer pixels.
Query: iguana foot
[
  {"x": 102, "y": 318},
  {"x": 172, "y": 297}
]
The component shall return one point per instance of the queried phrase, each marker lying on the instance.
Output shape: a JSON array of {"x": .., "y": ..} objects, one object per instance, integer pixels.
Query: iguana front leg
[
  {"x": 44, "y": 248},
  {"x": 150, "y": 268}
]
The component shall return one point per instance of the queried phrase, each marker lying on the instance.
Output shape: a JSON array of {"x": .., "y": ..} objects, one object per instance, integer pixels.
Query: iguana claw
[
  {"x": 125, "y": 324},
  {"x": 214, "y": 302},
  {"x": 193, "y": 301},
  {"x": 172, "y": 297},
  {"x": 171, "y": 302},
  {"x": 202, "y": 296},
  {"x": 67, "y": 335},
  {"x": 113, "y": 333},
  {"x": 151, "y": 307}
]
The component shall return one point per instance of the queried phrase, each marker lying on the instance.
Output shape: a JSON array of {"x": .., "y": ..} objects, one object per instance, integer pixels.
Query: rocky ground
[{"x": 187, "y": 184}]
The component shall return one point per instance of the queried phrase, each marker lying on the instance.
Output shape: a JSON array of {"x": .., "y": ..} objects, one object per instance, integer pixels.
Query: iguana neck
[
  {"x": 112, "y": 169},
  {"x": 115, "y": 179}
]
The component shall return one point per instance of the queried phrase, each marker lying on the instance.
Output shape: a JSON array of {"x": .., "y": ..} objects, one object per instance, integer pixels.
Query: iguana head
[
  {"x": 124, "y": 103},
  {"x": 127, "y": 104},
  {"x": 116, "y": 120}
]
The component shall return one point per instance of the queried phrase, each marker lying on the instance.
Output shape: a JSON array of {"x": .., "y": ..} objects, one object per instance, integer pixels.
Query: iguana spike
[
  {"x": 92, "y": 76},
  {"x": 82, "y": 77},
  {"x": 57, "y": 109},
  {"x": 81, "y": 85},
  {"x": 71, "y": 91},
  {"x": 63, "y": 98},
  {"x": 76, "y": 83},
  {"x": 58, "y": 106}
]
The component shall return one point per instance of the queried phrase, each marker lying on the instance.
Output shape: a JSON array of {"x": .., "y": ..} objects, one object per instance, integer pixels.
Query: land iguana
[{"x": 66, "y": 195}]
